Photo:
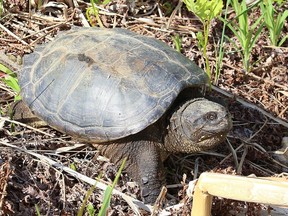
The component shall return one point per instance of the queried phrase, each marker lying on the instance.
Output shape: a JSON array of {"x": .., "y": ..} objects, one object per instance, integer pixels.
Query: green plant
[
  {"x": 95, "y": 11},
  {"x": 272, "y": 23},
  {"x": 168, "y": 8},
  {"x": 37, "y": 210},
  {"x": 73, "y": 166},
  {"x": 205, "y": 11},
  {"x": 39, "y": 4},
  {"x": 82, "y": 208},
  {"x": 1, "y": 8},
  {"x": 10, "y": 79},
  {"x": 109, "y": 189},
  {"x": 279, "y": 2},
  {"x": 220, "y": 51},
  {"x": 106, "y": 198},
  {"x": 177, "y": 41},
  {"x": 90, "y": 209},
  {"x": 247, "y": 35}
]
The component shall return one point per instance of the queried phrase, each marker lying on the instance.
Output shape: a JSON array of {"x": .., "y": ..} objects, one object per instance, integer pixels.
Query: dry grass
[{"x": 27, "y": 179}]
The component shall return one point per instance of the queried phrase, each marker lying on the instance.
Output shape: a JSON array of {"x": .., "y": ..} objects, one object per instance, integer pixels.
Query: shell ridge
[
  {"x": 71, "y": 89},
  {"x": 54, "y": 65},
  {"x": 138, "y": 38}
]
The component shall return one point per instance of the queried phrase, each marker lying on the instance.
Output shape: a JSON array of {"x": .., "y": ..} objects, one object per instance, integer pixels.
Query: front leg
[
  {"x": 151, "y": 175},
  {"x": 143, "y": 164}
]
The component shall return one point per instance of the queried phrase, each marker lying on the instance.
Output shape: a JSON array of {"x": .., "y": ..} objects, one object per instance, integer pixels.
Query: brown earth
[{"x": 257, "y": 101}]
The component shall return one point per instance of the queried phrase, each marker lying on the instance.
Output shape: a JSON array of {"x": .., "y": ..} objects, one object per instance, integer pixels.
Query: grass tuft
[
  {"x": 246, "y": 34},
  {"x": 274, "y": 23},
  {"x": 10, "y": 79},
  {"x": 106, "y": 197},
  {"x": 205, "y": 11}
]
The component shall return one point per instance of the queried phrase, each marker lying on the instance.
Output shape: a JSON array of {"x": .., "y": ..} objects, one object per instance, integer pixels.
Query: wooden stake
[{"x": 260, "y": 190}]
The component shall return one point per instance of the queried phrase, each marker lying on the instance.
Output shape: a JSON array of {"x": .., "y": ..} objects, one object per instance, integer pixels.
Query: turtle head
[{"x": 197, "y": 125}]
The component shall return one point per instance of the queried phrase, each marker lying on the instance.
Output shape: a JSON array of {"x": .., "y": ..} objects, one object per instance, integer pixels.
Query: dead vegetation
[{"x": 27, "y": 180}]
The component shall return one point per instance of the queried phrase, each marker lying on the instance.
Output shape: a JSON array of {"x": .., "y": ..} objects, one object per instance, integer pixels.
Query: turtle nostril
[{"x": 145, "y": 180}]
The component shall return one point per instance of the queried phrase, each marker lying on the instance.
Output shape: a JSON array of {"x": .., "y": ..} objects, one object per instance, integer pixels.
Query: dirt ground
[{"x": 257, "y": 101}]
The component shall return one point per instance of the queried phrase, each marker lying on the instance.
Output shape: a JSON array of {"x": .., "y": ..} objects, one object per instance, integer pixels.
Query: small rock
[{"x": 281, "y": 155}]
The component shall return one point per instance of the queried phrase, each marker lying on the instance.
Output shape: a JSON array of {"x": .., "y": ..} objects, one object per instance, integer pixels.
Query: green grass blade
[
  {"x": 37, "y": 210},
  {"x": 12, "y": 83},
  {"x": 106, "y": 201},
  {"x": 177, "y": 41},
  {"x": 105, "y": 2},
  {"x": 234, "y": 44},
  {"x": 284, "y": 17},
  {"x": 283, "y": 40},
  {"x": 280, "y": 21},
  {"x": 1, "y": 8},
  {"x": 95, "y": 12},
  {"x": 256, "y": 35},
  {"x": 273, "y": 24},
  {"x": 10, "y": 79},
  {"x": 256, "y": 24},
  {"x": 221, "y": 49},
  {"x": 108, "y": 191},
  {"x": 5, "y": 69},
  {"x": 88, "y": 11},
  {"x": 243, "y": 17},
  {"x": 89, "y": 192},
  {"x": 90, "y": 209},
  {"x": 232, "y": 28}
]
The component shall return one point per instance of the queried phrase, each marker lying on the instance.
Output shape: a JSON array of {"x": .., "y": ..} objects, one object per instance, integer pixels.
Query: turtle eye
[{"x": 210, "y": 116}]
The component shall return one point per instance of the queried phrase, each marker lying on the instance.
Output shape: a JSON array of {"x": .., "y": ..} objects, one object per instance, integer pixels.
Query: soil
[{"x": 257, "y": 101}]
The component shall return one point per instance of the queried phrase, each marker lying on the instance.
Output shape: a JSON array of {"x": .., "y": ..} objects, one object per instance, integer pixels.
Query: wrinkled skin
[{"x": 195, "y": 126}]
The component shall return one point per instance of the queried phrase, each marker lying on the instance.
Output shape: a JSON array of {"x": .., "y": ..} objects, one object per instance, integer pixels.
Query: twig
[
  {"x": 268, "y": 81},
  {"x": 83, "y": 19},
  {"x": 233, "y": 152},
  {"x": 130, "y": 200},
  {"x": 253, "y": 106},
  {"x": 159, "y": 201},
  {"x": 19, "y": 25},
  {"x": 256, "y": 166},
  {"x": 256, "y": 145},
  {"x": 229, "y": 155},
  {"x": 239, "y": 168},
  {"x": 25, "y": 125},
  {"x": 277, "y": 162},
  {"x": 179, "y": 5},
  {"x": 250, "y": 138},
  {"x": 13, "y": 35}
]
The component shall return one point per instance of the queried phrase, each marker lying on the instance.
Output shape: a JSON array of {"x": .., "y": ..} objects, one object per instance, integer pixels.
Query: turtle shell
[{"x": 104, "y": 84}]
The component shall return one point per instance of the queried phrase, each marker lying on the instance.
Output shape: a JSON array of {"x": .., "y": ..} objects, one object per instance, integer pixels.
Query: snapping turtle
[{"x": 127, "y": 94}]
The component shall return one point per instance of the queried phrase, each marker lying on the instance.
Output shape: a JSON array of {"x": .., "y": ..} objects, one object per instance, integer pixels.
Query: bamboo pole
[{"x": 260, "y": 190}]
